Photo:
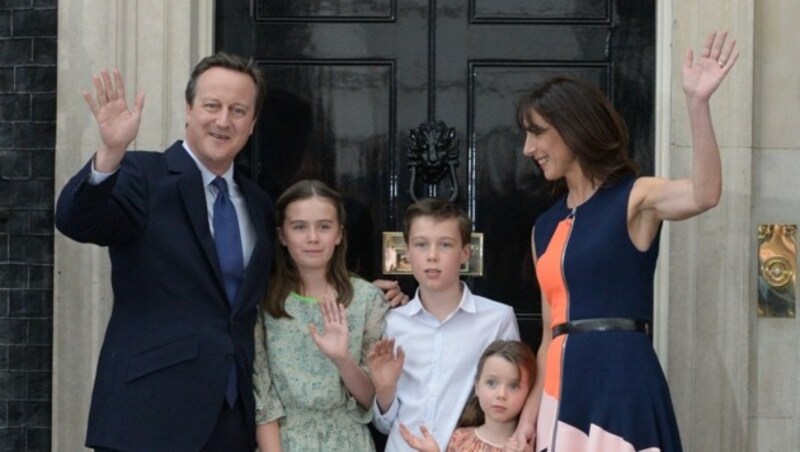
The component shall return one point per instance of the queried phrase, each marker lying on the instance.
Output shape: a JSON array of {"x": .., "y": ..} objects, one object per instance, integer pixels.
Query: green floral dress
[{"x": 299, "y": 386}]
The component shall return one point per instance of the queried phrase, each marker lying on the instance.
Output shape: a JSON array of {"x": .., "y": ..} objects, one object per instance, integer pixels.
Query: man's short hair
[{"x": 232, "y": 62}]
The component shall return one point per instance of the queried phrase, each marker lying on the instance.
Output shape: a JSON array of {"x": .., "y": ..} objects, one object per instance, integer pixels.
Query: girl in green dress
[{"x": 315, "y": 330}]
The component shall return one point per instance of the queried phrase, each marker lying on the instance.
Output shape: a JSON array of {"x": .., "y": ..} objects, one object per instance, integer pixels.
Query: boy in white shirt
[{"x": 440, "y": 334}]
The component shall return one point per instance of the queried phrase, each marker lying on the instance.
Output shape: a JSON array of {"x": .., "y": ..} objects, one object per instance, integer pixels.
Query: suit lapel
[
  {"x": 190, "y": 186},
  {"x": 258, "y": 267},
  {"x": 194, "y": 202}
]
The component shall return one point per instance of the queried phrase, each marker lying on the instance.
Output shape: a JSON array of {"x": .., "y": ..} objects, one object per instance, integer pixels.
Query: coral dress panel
[{"x": 603, "y": 391}]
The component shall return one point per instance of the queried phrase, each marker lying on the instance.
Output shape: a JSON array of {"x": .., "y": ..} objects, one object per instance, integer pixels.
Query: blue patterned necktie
[{"x": 228, "y": 241}]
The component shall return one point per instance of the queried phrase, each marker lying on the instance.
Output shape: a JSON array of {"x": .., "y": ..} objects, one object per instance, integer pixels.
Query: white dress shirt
[
  {"x": 246, "y": 229},
  {"x": 440, "y": 362}
]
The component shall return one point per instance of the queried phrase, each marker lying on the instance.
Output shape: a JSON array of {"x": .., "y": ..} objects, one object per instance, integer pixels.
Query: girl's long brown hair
[
  {"x": 515, "y": 352},
  {"x": 285, "y": 277}
]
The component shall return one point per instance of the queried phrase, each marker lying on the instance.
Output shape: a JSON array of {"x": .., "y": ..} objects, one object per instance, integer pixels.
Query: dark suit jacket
[{"x": 172, "y": 335}]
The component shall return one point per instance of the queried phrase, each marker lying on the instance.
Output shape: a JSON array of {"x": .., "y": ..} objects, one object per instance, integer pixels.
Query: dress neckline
[
  {"x": 484, "y": 440},
  {"x": 303, "y": 297},
  {"x": 574, "y": 208}
]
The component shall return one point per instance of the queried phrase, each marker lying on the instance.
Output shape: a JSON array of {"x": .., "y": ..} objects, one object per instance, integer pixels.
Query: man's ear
[
  {"x": 186, "y": 116},
  {"x": 253, "y": 125}
]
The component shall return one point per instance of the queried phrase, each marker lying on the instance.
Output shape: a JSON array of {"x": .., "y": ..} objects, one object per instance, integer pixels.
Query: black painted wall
[{"x": 27, "y": 141}]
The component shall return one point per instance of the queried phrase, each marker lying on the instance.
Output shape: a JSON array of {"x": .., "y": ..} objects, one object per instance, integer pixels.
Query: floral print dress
[
  {"x": 296, "y": 384},
  {"x": 467, "y": 440}
]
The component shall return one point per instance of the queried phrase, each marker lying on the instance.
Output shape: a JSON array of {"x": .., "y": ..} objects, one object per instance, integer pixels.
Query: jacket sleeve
[{"x": 111, "y": 212}]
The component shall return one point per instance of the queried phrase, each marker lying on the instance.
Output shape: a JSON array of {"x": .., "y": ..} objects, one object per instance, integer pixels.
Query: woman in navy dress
[{"x": 599, "y": 386}]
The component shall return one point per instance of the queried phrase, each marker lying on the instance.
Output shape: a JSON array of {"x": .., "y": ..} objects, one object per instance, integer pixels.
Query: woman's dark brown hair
[
  {"x": 285, "y": 277},
  {"x": 587, "y": 122},
  {"x": 515, "y": 352}
]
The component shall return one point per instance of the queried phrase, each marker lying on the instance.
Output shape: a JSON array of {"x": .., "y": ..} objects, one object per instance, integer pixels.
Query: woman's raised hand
[{"x": 702, "y": 77}]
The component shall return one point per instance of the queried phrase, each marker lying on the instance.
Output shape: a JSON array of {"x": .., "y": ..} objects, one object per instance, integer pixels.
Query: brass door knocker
[{"x": 432, "y": 150}]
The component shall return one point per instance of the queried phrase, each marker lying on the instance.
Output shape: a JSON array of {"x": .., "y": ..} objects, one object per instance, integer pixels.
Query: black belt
[{"x": 609, "y": 324}]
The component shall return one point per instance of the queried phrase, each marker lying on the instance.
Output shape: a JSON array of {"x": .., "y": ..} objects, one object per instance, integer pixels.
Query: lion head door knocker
[{"x": 432, "y": 150}]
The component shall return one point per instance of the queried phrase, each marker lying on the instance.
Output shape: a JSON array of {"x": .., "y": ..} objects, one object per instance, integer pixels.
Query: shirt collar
[
  {"x": 208, "y": 176},
  {"x": 414, "y": 307}
]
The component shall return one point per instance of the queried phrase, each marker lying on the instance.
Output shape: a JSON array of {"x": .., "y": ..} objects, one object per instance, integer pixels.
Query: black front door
[{"x": 349, "y": 79}]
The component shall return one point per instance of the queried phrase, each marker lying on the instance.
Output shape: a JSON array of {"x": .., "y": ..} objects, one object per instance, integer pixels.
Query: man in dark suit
[{"x": 174, "y": 372}]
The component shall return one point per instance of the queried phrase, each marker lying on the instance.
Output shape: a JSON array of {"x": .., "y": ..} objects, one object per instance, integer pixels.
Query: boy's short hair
[{"x": 439, "y": 210}]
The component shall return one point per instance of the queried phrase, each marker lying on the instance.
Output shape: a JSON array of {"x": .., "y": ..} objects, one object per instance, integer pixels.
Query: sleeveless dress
[{"x": 603, "y": 391}]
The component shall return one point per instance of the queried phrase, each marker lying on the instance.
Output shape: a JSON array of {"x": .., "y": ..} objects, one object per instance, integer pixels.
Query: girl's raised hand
[
  {"x": 702, "y": 77},
  {"x": 425, "y": 443},
  {"x": 334, "y": 342}
]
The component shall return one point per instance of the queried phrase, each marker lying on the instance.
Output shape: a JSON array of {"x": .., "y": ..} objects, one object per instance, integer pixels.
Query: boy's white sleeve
[
  {"x": 510, "y": 330},
  {"x": 383, "y": 422}
]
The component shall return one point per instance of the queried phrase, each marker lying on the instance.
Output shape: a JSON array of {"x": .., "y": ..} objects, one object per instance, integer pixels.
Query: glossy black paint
[{"x": 348, "y": 80}]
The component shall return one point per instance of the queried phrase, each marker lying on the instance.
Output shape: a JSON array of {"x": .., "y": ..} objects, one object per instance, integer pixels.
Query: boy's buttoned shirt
[{"x": 440, "y": 363}]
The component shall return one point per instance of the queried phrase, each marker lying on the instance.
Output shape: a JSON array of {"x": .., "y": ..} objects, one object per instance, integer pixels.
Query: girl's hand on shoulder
[
  {"x": 424, "y": 443},
  {"x": 334, "y": 341}
]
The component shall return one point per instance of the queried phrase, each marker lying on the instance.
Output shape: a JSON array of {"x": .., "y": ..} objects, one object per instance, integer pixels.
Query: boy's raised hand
[
  {"x": 425, "y": 443},
  {"x": 385, "y": 366},
  {"x": 334, "y": 342}
]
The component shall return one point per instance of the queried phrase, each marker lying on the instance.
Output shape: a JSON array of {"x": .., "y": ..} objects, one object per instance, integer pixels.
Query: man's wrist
[{"x": 107, "y": 161}]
